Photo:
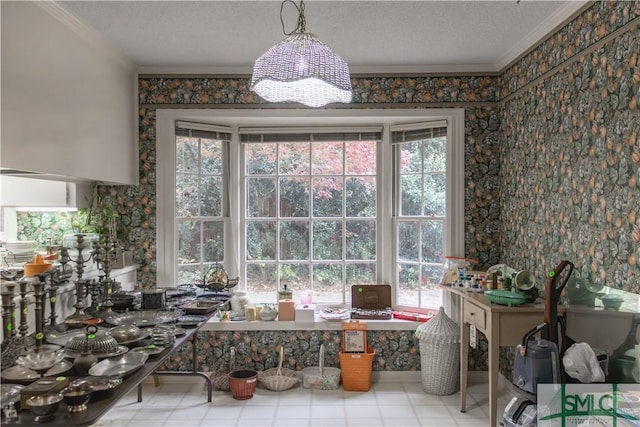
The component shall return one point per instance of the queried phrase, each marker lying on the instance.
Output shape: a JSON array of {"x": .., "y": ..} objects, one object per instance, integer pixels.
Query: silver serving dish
[
  {"x": 41, "y": 361},
  {"x": 146, "y": 317},
  {"x": 117, "y": 351},
  {"x": 99, "y": 383},
  {"x": 128, "y": 334},
  {"x": 151, "y": 349},
  {"x": 62, "y": 338},
  {"x": 121, "y": 366},
  {"x": 22, "y": 374},
  {"x": 10, "y": 393}
]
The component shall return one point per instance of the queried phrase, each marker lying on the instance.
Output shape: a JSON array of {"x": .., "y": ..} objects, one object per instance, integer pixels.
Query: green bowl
[{"x": 502, "y": 297}]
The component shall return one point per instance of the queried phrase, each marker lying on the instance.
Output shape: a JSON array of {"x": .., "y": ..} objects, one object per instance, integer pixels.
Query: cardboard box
[
  {"x": 305, "y": 314},
  {"x": 286, "y": 310},
  {"x": 122, "y": 259}
]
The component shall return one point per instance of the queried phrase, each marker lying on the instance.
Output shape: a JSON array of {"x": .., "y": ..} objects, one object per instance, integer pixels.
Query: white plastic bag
[{"x": 580, "y": 362}]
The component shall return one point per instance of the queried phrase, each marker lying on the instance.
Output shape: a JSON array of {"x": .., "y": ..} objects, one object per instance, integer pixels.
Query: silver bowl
[
  {"x": 76, "y": 397},
  {"x": 125, "y": 333},
  {"x": 43, "y": 406},
  {"x": 40, "y": 361}
]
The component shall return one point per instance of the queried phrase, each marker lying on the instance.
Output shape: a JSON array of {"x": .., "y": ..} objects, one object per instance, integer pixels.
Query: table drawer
[{"x": 474, "y": 315}]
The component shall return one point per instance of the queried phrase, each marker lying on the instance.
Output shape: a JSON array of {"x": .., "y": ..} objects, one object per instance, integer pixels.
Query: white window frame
[{"x": 236, "y": 118}]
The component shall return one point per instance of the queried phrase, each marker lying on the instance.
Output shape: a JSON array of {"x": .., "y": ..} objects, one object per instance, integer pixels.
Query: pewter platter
[
  {"x": 99, "y": 383},
  {"x": 19, "y": 373},
  {"x": 151, "y": 350},
  {"x": 117, "y": 352},
  {"x": 145, "y": 318},
  {"x": 122, "y": 366},
  {"x": 62, "y": 338}
]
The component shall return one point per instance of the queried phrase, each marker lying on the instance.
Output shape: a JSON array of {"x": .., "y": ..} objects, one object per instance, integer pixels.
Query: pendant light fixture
[{"x": 301, "y": 68}]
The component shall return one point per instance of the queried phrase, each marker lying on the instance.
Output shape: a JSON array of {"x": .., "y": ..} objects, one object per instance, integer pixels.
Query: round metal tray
[
  {"x": 145, "y": 318},
  {"x": 151, "y": 350},
  {"x": 62, "y": 338}
]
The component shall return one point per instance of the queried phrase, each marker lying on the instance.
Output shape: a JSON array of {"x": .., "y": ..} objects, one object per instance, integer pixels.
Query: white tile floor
[{"x": 398, "y": 404}]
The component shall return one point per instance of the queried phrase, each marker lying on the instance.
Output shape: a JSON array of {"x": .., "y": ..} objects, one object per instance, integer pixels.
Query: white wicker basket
[
  {"x": 279, "y": 379},
  {"x": 440, "y": 354},
  {"x": 320, "y": 377}
]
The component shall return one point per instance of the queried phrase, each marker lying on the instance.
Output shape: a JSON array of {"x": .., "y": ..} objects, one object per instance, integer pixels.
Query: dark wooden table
[{"x": 102, "y": 402}]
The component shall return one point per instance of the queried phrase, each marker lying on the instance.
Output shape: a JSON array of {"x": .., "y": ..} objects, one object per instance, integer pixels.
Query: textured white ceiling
[{"x": 372, "y": 36}]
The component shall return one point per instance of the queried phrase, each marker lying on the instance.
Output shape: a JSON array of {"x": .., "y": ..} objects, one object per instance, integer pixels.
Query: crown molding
[
  {"x": 86, "y": 32},
  {"x": 547, "y": 28}
]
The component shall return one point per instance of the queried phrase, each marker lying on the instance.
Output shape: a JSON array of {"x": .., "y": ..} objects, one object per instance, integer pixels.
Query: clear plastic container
[{"x": 455, "y": 267}]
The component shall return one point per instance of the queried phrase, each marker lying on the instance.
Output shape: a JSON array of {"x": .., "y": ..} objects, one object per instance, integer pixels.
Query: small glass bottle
[{"x": 285, "y": 293}]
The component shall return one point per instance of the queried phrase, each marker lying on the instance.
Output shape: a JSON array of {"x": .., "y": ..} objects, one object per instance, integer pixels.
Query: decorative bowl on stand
[{"x": 43, "y": 406}]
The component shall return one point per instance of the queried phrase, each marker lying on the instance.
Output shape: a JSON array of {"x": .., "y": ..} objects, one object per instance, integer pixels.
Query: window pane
[
  {"x": 434, "y": 194},
  {"x": 410, "y": 157},
  {"x": 294, "y": 197},
  {"x": 360, "y": 158},
  {"x": 408, "y": 240},
  {"x": 261, "y": 240},
  {"x": 186, "y": 195},
  {"x": 261, "y": 282},
  {"x": 213, "y": 238},
  {"x": 187, "y": 155},
  {"x": 327, "y": 197},
  {"x": 431, "y": 294},
  {"x": 361, "y": 197},
  {"x": 327, "y": 240},
  {"x": 327, "y": 158},
  {"x": 260, "y": 159},
  {"x": 190, "y": 274},
  {"x": 327, "y": 283},
  {"x": 295, "y": 276},
  {"x": 261, "y": 197},
  {"x": 434, "y": 155},
  {"x": 361, "y": 240},
  {"x": 408, "y": 284},
  {"x": 211, "y": 151},
  {"x": 294, "y": 158},
  {"x": 211, "y": 196},
  {"x": 294, "y": 240},
  {"x": 188, "y": 242},
  {"x": 432, "y": 241},
  {"x": 410, "y": 195},
  {"x": 360, "y": 273}
]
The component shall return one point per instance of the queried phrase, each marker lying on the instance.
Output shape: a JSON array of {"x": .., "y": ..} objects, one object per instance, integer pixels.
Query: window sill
[{"x": 318, "y": 325}]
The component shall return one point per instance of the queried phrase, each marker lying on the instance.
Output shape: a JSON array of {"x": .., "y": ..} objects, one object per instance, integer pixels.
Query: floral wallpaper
[
  {"x": 552, "y": 156},
  {"x": 258, "y": 350}
]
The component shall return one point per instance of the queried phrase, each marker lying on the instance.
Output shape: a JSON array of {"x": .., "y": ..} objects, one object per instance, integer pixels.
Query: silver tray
[
  {"x": 121, "y": 366},
  {"x": 145, "y": 318},
  {"x": 151, "y": 350},
  {"x": 99, "y": 383},
  {"x": 62, "y": 338},
  {"x": 117, "y": 352},
  {"x": 19, "y": 373}
]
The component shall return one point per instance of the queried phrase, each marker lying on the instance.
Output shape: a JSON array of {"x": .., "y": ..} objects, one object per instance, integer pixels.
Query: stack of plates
[{"x": 20, "y": 251}]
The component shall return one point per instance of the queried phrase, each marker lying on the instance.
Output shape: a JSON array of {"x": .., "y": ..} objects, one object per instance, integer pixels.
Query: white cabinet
[
  {"x": 32, "y": 192},
  {"x": 69, "y": 103}
]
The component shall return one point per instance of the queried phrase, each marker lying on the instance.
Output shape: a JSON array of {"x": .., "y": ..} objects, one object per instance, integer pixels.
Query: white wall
[{"x": 68, "y": 98}]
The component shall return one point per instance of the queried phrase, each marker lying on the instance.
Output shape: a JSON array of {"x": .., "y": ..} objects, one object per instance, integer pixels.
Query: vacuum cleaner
[{"x": 538, "y": 358}]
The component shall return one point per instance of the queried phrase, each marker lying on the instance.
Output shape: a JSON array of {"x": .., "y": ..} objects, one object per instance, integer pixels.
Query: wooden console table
[{"x": 502, "y": 325}]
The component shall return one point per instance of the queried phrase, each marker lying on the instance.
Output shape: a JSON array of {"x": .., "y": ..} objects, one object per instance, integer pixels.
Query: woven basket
[
  {"x": 320, "y": 377},
  {"x": 440, "y": 354},
  {"x": 220, "y": 379},
  {"x": 356, "y": 370},
  {"x": 279, "y": 379}
]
